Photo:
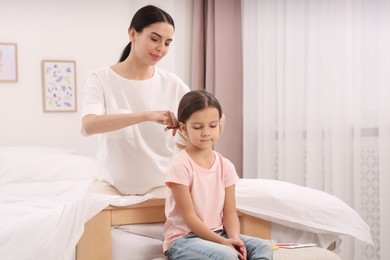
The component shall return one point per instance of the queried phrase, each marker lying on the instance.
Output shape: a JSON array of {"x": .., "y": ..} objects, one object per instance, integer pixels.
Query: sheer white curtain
[{"x": 317, "y": 103}]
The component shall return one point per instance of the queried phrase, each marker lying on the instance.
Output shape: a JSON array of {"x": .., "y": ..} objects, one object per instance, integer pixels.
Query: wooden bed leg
[{"x": 95, "y": 243}]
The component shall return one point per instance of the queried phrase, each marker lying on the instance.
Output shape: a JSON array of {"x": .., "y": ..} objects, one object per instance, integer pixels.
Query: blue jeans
[{"x": 193, "y": 247}]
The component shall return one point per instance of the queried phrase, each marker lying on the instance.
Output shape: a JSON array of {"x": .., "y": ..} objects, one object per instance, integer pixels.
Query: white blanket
[
  {"x": 321, "y": 217},
  {"x": 44, "y": 204}
]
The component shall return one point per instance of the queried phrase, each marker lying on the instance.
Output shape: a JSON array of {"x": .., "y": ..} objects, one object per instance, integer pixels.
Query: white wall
[{"x": 93, "y": 33}]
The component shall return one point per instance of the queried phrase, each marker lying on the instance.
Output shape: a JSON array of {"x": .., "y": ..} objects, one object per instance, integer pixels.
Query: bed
[{"x": 51, "y": 207}]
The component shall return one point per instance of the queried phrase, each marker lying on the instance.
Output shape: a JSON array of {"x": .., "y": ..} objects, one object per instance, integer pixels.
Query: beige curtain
[{"x": 217, "y": 67}]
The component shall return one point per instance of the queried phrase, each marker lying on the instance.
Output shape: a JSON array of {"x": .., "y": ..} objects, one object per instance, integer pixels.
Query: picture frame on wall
[
  {"x": 59, "y": 86},
  {"x": 8, "y": 62}
]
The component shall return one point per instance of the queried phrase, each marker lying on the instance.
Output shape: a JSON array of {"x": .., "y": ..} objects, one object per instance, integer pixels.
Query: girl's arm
[
  {"x": 230, "y": 219},
  {"x": 96, "y": 124},
  {"x": 183, "y": 199}
]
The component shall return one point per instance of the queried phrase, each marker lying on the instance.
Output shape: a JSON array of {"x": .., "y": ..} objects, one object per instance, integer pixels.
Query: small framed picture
[
  {"x": 59, "y": 86},
  {"x": 8, "y": 62}
]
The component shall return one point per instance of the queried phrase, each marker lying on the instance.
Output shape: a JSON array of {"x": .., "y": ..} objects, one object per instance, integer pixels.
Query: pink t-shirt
[{"x": 207, "y": 187}]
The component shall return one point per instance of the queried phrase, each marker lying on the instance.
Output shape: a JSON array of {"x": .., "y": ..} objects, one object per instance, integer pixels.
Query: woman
[{"x": 130, "y": 104}]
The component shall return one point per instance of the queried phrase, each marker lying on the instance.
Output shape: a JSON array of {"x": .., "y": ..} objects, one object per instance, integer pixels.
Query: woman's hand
[{"x": 167, "y": 118}]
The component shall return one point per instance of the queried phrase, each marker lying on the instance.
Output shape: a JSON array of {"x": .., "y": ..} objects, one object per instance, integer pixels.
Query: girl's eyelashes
[
  {"x": 200, "y": 127},
  {"x": 196, "y": 126}
]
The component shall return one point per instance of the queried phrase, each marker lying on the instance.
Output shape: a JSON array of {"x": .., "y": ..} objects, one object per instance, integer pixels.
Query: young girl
[{"x": 202, "y": 221}]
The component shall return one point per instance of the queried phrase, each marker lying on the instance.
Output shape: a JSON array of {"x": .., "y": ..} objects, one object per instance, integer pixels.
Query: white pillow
[
  {"x": 18, "y": 166},
  {"x": 300, "y": 208}
]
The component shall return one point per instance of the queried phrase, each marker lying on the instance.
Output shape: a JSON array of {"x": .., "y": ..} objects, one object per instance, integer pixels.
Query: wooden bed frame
[{"x": 95, "y": 243}]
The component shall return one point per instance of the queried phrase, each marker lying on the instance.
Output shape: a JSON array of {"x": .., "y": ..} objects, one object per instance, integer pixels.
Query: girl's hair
[
  {"x": 144, "y": 17},
  {"x": 196, "y": 100}
]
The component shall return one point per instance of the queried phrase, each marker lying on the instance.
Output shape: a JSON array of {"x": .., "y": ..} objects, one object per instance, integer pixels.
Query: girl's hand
[
  {"x": 241, "y": 249},
  {"x": 238, "y": 245}
]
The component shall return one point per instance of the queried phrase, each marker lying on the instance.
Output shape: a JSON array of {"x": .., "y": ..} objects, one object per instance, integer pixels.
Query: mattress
[{"x": 130, "y": 246}]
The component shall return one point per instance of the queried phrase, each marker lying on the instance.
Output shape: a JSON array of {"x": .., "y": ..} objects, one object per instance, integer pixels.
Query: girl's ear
[
  {"x": 182, "y": 127},
  {"x": 222, "y": 124}
]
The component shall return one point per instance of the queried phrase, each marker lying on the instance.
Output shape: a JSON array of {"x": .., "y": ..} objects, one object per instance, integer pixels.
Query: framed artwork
[
  {"x": 8, "y": 62},
  {"x": 59, "y": 86}
]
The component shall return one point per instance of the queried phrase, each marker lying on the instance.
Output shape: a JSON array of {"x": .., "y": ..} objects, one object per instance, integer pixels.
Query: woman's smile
[{"x": 155, "y": 57}]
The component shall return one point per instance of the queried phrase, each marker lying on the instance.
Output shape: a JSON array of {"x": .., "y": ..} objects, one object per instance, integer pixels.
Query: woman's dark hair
[
  {"x": 144, "y": 17},
  {"x": 196, "y": 100}
]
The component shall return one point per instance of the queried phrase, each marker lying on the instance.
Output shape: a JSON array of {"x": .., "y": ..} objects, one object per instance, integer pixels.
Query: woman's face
[{"x": 152, "y": 44}]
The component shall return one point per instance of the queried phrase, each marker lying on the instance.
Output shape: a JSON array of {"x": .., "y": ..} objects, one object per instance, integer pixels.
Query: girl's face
[
  {"x": 152, "y": 44},
  {"x": 202, "y": 128}
]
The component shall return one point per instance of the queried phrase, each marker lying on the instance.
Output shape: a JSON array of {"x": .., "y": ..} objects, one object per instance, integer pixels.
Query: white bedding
[
  {"x": 320, "y": 216},
  {"x": 44, "y": 204}
]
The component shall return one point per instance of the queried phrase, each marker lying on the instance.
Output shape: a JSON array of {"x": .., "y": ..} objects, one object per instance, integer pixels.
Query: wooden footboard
[
  {"x": 255, "y": 227},
  {"x": 95, "y": 243}
]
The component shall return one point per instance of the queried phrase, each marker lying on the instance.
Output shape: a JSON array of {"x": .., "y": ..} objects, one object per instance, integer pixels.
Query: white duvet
[
  {"x": 43, "y": 203},
  {"x": 300, "y": 214}
]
